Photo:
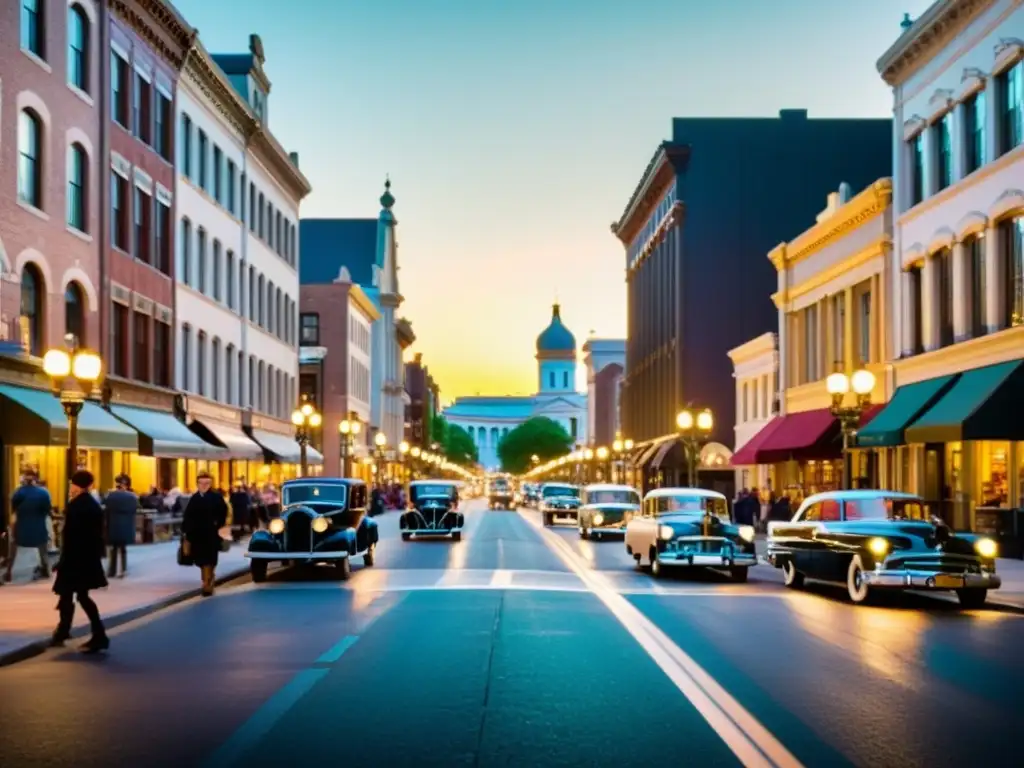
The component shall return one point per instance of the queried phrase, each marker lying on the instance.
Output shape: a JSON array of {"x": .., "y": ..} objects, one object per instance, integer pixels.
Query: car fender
[
  {"x": 263, "y": 541},
  {"x": 345, "y": 539},
  {"x": 372, "y": 530}
]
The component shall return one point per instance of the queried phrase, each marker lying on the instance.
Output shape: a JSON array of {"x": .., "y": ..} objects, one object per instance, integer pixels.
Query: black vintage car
[
  {"x": 559, "y": 500},
  {"x": 433, "y": 510},
  {"x": 323, "y": 520},
  {"x": 606, "y": 509},
  {"x": 871, "y": 540},
  {"x": 500, "y": 494}
]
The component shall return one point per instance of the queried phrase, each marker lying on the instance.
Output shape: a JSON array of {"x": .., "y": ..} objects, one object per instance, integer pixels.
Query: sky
[{"x": 514, "y": 132}]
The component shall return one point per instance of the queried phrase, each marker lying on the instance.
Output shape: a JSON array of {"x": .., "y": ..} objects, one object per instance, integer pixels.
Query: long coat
[
  {"x": 205, "y": 514},
  {"x": 32, "y": 505},
  {"x": 122, "y": 506},
  {"x": 80, "y": 567}
]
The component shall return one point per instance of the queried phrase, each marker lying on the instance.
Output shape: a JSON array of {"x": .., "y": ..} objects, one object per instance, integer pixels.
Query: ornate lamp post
[
  {"x": 415, "y": 452},
  {"x": 588, "y": 457},
  {"x": 305, "y": 419},
  {"x": 839, "y": 386},
  {"x": 348, "y": 429},
  {"x": 73, "y": 374},
  {"x": 602, "y": 457},
  {"x": 403, "y": 450},
  {"x": 693, "y": 432},
  {"x": 380, "y": 441}
]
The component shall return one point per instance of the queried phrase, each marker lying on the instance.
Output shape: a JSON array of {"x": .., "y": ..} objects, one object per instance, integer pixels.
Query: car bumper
[
  {"x": 708, "y": 559},
  {"x": 304, "y": 556},
  {"x": 611, "y": 530},
  {"x": 924, "y": 579},
  {"x": 432, "y": 531},
  {"x": 561, "y": 512}
]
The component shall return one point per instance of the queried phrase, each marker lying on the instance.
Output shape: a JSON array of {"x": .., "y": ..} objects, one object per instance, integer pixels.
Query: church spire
[{"x": 387, "y": 200}]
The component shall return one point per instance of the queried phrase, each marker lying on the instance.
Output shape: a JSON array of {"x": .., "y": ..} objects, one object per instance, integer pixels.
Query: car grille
[
  {"x": 940, "y": 566},
  {"x": 298, "y": 532}
]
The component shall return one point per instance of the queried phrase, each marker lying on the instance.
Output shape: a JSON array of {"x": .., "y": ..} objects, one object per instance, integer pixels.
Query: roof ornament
[
  {"x": 344, "y": 276},
  {"x": 907, "y": 22},
  {"x": 256, "y": 48},
  {"x": 387, "y": 200}
]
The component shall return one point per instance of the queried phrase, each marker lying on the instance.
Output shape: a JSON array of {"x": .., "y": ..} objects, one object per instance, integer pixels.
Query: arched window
[
  {"x": 565, "y": 379},
  {"x": 78, "y": 48},
  {"x": 261, "y": 302},
  {"x": 33, "y": 308},
  {"x": 186, "y": 358},
  {"x": 201, "y": 363},
  {"x": 271, "y": 390},
  {"x": 74, "y": 312},
  {"x": 261, "y": 387},
  {"x": 240, "y": 379},
  {"x": 229, "y": 375},
  {"x": 78, "y": 170},
  {"x": 252, "y": 381},
  {"x": 30, "y": 160},
  {"x": 215, "y": 369},
  {"x": 185, "y": 266},
  {"x": 279, "y": 314},
  {"x": 271, "y": 318},
  {"x": 551, "y": 379},
  {"x": 33, "y": 27}
]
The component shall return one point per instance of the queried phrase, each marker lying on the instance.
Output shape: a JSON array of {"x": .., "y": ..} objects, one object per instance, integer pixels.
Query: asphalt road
[{"x": 525, "y": 647}]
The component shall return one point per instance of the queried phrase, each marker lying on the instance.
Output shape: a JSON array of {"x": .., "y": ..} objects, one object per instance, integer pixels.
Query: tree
[
  {"x": 539, "y": 436},
  {"x": 458, "y": 446},
  {"x": 437, "y": 429}
]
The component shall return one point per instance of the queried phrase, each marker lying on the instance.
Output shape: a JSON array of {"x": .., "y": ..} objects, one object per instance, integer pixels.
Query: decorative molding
[
  {"x": 162, "y": 313},
  {"x": 942, "y": 239},
  {"x": 142, "y": 304},
  {"x": 120, "y": 293},
  {"x": 274, "y": 158},
  {"x": 1008, "y": 51},
  {"x": 1007, "y": 204},
  {"x": 143, "y": 180},
  {"x": 940, "y": 103},
  {"x": 913, "y": 126},
  {"x": 970, "y": 224},
  {"x": 160, "y": 26},
  {"x": 120, "y": 165},
  {"x": 913, "y": 255},
  {"x": 164, "y": 195},
  {"x": 990, "y": 349},
  {"x": 204, "y": 75},
  {"x": 971, "y": 81}
]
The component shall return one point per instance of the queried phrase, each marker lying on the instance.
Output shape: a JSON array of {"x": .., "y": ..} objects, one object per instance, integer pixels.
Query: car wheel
[
  {"x": 368, "y": 556},
  {"x": 406, "y": 536},
  {"x": 739, "y": 574},
  {"x": 972, "y": 598},
  {"x": 343, "y": 568},
  {"x": 856, "y": 587},
  {"x": 457, "y": 536},
  {"x": 791, "y": 577},
  {"x": 655, "y": 564},
  {"x": 258, "y": 570},
  {"x": 598, "y": 535},
  {"x": 549, "y": 520},
  {"x": 583, "y": 532}
]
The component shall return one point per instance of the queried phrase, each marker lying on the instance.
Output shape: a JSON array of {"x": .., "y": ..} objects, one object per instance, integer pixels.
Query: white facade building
[
  {"x": 361, "y": 318},
  {"x": 755, "y": 367}
]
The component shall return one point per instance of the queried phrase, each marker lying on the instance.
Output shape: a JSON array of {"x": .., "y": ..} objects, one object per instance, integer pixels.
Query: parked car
[
  {"x": 323, "y": 520},
  {"x": 605, "y": 510},
  {"x": 689, "y": 528},
  {"x": 559, "y": 500},
  {"x": 433, "y": 510},
  {"x": 872, "y": 540},
  {"x": 499, "y": 493}
]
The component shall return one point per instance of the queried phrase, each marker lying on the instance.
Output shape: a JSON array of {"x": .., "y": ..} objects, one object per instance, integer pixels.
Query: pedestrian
[
  {"x": 32, "y": 506},
  {"x": 122, "y": 507},
  {"x": 205, "y": 515},
  {"x": 80, "y": 567},
  {"x": 241, "y": 514}
]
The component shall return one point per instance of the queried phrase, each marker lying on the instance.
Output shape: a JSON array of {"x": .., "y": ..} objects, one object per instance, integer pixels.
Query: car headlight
[
  {"x": 320, "y": 524},
  {"x": 878, "y": 546},
  {"x": 987, "y": 548},
  {"x": 598, "y": 518},
  {"x": 277, "y": 526},
  {"x": 666, "y": 532},
  {"x": 747, "y": 532}
]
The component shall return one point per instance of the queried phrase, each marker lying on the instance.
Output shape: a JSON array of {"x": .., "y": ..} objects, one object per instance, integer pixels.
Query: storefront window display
[{"x": 992, "y": 474}]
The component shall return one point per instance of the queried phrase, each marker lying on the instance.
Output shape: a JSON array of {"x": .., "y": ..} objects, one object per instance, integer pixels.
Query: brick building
[{"x": 423, "y": 404}]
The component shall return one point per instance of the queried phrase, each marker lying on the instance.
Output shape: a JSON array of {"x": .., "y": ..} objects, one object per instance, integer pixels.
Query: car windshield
[
  {"x": 422, "y": 491},
  {"x": 687, "y": 504},
  {"x": 561, "y": 490},
  {"x": 613, "y": 496},
  {"x": 499, "y": 485},
  {"x": 881, "y": 508},
  {"x": 307, "y": 492}
]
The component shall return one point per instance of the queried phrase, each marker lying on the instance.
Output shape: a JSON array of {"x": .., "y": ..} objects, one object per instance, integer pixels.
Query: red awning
[
  {"x": 805, "y": 435},
  {"x": 747, "y": 455}
]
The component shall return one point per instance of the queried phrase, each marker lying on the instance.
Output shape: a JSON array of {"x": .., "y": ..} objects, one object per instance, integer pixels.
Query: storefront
[
  {"x": 282, "y": 454},
  {"x": 222, "y": 426}
]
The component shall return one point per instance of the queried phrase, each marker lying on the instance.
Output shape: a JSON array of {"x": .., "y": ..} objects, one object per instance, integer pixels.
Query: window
[
  {"x": 811, "y": 345},
  {"x": 261, "y": 302},
  {"x": 1012, "y": 240},
  {"x": 943, "y": 133},
  {"x": 829, "y": 511},
  {"x": 573, "y": 427},
  {"x": 229, "y": 278},
  {"x": 252, "y": 294},
  {"x": 216, "y": 270},
  {"x": 229, "y": 377},
  {"x": 30, "y": 144},
  {"x": 744, "y": 402},
  {"x": 944, "y": 265},
  {"x": 185, "y": 267},
  {"x": 261, "y": 387},
  {"x": 976, "y": 256},
  {"x": 77, "y": 184},
  {"x": 864, "y": 326},
  {"x": 231, "y": 188},
  {"x": 260, "y": 229},
  {"x": 32, "y": 27},
  {"x": 162, "y": 229},
  {"x": 240, "y": 379},
  {"x": 142, "y": 109},
  {"x": 161, "y": 354},
  {"x": 215, "y": 369},
  {"x": 551, "y": 380},
  {"x": 119, "y": 211},
  {"x": 162, "y": 123},
  {"x": 203, "y": 149},
  {"x": 78, "y": 48},
  {"x": 143, "y": 226},
  {"x": 917, "y": 169},
  {"x": 201, "y": 363},
  {"x": 252, "y": 382},
  {"x": 1011, "y": 112},
  {"x": 201, "y": 260},
  {"x": 916, "y": 339},
  {"x": 186, "y": 358},
  {"x": 565, "y": 379},
  {"x": 974, "y": 111},
  {"x": 33, "y": 309},
  {"x": 218, "y": 163},
  {"x": 119, "y": 86},
  {"x": 140, "y": 359},
  {"x": 878, "y": 508},
  {"x": 119, "y": 340},
  {"x": 310, "y": 334},
  {"x": 186, "y": 146},
  {"x": 252, "y": 207},
  {"x": 74, "y": 312}
]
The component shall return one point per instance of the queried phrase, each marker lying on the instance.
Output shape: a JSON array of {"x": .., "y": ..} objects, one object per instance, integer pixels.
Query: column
[
  {"x": 907, "y": 312},
  {"x": 929, "y": 304},
  {"x": 995, "y": 296},
  {"x": 828, "y": 322},
  {"x": 880, "y": 311},
  {"x": 783, "y": 351},
  {"x": 961, "y": 293},
  {"x": 848, "y": 355}
]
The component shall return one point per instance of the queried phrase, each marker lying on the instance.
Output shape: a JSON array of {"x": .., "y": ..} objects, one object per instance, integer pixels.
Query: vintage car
[
  {"x": 689, "y": 527},
  {"x": 531, "y": 494},
  {"x": 605, "y": 510},
  {"x": 499, "y": 493},
  {"x": 559, "y": 500},
  {"x": 871, "y": 540},
  {"x": 323, "y": 520},
  {"x": 433, "y": 510}
]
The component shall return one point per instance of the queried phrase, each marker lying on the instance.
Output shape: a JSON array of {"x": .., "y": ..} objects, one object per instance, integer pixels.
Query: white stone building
[{"x": 755, "y": 369}]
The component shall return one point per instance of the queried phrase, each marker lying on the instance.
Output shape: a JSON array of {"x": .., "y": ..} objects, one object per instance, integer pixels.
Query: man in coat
[
  {"x": 32, "y": 505},
  {"x": 80, "y": 567},
  {"x": 205, "y": 515},
  {"x": 122, "y": 507},
  {"x": 242, "y": 516}
]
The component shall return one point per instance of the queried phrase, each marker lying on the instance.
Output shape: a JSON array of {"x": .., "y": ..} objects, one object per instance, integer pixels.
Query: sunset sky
[{"x": 514, "y": 133}]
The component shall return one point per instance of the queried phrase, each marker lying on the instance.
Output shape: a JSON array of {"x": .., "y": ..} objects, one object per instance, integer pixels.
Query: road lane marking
[
  {"x": 501, "y": 579},
  {"x": 332, "y": 655},
  {"x": 750, "y": 741}
]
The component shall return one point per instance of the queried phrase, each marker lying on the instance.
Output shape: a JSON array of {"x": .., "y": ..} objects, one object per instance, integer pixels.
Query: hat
[
  {"x": 204, "y": 475},
  {"x": 82, "y": 479}
]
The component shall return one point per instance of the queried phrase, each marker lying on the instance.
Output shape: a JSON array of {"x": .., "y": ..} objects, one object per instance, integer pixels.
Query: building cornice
[
  {"x": 932, "y": 32},
  {"x": 405, "y": 333},
  {"x": 365, "y": 304},
  {"x": 209, "y": 79},
  {"x": 160, "y": 26},
  {"x": 276, "y": 160},
  {"x": 656, "y": 177},
  {"x": 759, "y": 345}
]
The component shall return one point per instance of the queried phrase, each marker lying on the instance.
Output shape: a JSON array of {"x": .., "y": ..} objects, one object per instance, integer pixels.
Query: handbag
[{"x": 185, "y": 552}]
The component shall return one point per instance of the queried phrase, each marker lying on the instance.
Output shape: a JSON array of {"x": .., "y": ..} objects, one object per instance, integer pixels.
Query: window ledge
[
  {"x": 81, "y": 94},
  {"x": 85, "y": 236},
  {"x": 36, "y": 58},
  {"x": 39, "y": 213}
]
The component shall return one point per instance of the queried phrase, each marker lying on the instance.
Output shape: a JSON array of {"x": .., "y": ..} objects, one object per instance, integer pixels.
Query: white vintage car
[
  {"x": 606, "y": 509},
  {"x": 689, "y": 527},
  {"x": 559, "y": 500}
]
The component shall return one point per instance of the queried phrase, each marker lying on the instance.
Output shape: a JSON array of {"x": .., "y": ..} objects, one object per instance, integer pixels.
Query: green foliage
[
  {"x": 458, "y": 446},
  {"x": 437, "y": 429},
  {"x": 538, "y": 436}
]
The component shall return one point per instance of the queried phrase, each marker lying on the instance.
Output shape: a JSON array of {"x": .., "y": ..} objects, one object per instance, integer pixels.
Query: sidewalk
[{"x": 154, "y": 581}]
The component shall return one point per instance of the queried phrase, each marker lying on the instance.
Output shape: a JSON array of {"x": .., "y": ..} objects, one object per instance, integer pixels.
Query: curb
[{"x": 38, "y": 647}]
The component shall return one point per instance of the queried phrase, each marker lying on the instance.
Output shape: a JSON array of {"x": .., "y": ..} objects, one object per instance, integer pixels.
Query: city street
[{"x": 520, "y": 646}]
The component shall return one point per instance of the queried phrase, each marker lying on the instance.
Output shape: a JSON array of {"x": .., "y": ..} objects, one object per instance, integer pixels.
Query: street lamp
[
  {"x": 380, "y": 440},
  {"x": 305, "y": 419},
  {"x": 403, "y": 449},
  {"x": 602, "y": 457},
  {"x": 73, "y": 374},
  {"x": 862, "y": 382},
  {"x": 348, "y": 429},
  {"x": 693, "y": 432}
]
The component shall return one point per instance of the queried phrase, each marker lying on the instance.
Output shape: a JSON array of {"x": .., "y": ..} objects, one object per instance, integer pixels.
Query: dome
[{"x": 556, "y": 339}]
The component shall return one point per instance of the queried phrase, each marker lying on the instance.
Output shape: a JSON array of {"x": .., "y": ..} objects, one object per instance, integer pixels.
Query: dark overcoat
[
  {"x": 32, "y": 505},
  {"x": 205, "y": 515},
  {"x": 122, "y": 507},
  {"x": 80, "y": 567}
]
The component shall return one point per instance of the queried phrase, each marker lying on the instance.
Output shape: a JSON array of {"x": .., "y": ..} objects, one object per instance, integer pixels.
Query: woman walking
[{"x": 205, "y": 515}]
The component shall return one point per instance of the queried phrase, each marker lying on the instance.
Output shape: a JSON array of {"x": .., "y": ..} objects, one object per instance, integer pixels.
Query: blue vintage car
[
  {"x": 433, "y": 510},
  {"x": 870, "y": 540},
  {"x": 323, "y": 520},
  {"x": 559, "y": 500},
  {"x": 606, "y": 509}
]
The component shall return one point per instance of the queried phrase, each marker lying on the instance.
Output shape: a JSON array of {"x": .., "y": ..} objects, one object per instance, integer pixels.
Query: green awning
[
  {"x": 285, "y": 449},
  {"x": 983, "y": 404},
  {"x": 36, "y": 417},
  {"x": 906, "y": 406},
  {"x": 163, "y": 435}
]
